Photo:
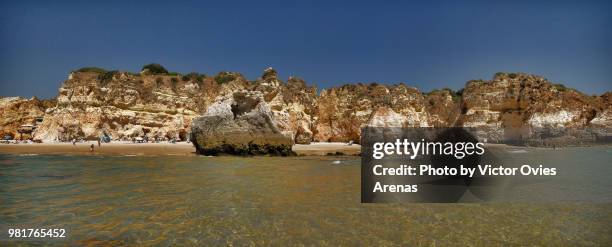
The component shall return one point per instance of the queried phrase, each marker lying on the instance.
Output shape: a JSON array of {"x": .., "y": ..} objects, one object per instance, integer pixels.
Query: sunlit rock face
[
  {"x": 121, "y": 105},
  {"x": 240, "y": 123},
  {"x": 343, "y": 111},
  {"x": 443, "y": 107},
  {"x": 602, "y": 122},
  {"x": 525, "y": 107},
  {"x": 16, "y": 112},
  {"x": 292, "y": 104}
]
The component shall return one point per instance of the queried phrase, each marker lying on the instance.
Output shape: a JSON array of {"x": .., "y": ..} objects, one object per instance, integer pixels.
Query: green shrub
[
  {"x": 224, "y": 77},
  {"x": 155, "y": 68},
  {"x": 106, "y": 77},
  {"x": 478, "y": 81},
  {"x": 500, "y": 74},
  {"x": 269, "y": 74},
  {"x": 561, "y": 88},
  {"x": 456, "y": 95},
  {"x": 92, "y": 69},
  {"x": 503, "y": 74},
  {"x": 193, "y": 76}
]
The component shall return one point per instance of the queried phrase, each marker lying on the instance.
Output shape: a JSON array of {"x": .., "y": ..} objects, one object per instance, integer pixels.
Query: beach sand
[
  {"x": 325, "y": 148},
  {"x": 106, "y": 148},
  {"x": 180, "y": 148}
]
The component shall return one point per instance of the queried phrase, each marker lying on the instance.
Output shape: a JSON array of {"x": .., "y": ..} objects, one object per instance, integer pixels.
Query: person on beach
[
  {"x": 73, "y": 142},
  {"x": 91, "y": 148},
  {"x": 98, "y": 142}
]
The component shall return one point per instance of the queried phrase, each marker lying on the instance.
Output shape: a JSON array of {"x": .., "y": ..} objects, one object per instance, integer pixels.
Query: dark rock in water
[{"x": 240, "y": 124}]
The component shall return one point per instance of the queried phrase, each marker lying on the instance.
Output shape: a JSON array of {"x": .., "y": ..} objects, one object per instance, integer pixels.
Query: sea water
[{"x": 195, "y": 200}]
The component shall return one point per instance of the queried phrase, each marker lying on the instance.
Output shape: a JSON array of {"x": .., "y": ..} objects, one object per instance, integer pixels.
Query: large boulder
[{"x": 239, "y": 123}]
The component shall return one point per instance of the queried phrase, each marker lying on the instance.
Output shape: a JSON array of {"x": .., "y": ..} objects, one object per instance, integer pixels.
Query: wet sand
[
  {"x": 105, "y": 148},
  {"x": 327, "y": 148},
  {"x": 180, "y": 148}
]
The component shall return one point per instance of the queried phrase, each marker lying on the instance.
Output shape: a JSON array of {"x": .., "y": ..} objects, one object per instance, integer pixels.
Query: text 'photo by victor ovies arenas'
[{"x": 313, "y": 123}]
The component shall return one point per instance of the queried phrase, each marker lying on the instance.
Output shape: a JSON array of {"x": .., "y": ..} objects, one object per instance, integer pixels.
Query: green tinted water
[{"x": 192, "y": 200}]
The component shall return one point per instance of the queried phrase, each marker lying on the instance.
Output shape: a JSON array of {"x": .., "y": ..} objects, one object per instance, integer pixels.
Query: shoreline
[
  {"x": 185, "y": 148},
  {"x": 179, "y": 148}
]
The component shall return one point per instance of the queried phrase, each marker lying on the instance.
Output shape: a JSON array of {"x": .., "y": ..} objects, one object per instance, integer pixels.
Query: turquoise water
[{"x": 194, "y": 200}]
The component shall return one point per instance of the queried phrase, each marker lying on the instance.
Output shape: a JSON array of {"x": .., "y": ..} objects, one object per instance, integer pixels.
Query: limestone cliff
[
  {"x": 123, "y": 105},
  {"x": 342, "y": 111},
  {"x": 17, "y": 112},
  {"x": 520, "y": 107}
]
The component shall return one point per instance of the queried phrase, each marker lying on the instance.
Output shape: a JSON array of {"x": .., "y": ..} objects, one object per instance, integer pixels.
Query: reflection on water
[{"x": 192, "y": 200}]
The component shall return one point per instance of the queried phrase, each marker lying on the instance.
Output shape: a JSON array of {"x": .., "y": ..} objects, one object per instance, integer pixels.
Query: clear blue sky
[{"x": 427, "y": 45}]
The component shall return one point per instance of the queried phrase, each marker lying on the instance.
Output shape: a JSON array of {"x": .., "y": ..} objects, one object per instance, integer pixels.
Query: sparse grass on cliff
[
  {"x": 107, "y": 76},
  {"x": 504, "y": 74},
  {"x": 456, "y": 95},
  {"x": 91, "y": 69},
  {"x": 224, "y": 77},
  {"x": 562, "y": 88},
  {"x": 193, "y": 76}
]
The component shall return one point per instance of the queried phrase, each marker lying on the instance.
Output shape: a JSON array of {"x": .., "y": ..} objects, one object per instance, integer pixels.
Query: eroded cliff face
[
  {"x": 522, "y": 107},
  {"x": 343, "y": 111},
  {"x": 603, "y": 117},
  {"x": 292, "y": 104},
  {"x": 125, "y": 105},
  {"x": 17, "y": 112}
]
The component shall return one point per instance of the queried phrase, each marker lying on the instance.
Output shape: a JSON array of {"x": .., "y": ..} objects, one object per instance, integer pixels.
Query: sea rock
[{"x": 239, "y": 123}]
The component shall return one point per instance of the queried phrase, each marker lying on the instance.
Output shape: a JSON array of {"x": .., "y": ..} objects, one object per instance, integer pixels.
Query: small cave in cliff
[{"x": 243, "y": 104}]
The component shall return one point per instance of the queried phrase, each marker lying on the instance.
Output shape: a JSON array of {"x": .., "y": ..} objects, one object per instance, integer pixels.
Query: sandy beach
[
  {"x": 327, "y": 148},
  {"x": 180, "y": 148}
]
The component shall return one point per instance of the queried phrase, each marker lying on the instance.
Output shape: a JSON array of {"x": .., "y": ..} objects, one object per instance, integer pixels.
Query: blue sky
[{"x": 428, "y": 45}]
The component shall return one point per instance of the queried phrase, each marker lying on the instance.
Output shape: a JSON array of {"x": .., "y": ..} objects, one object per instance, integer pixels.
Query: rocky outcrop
[
  {"x": 526, "y": 108},
  {"x": 292, "y": 104},
  {"x": 17, "y": 112},
  {"x": 122, "y": 105},
  {"x": 603, "y": 117},
  {"x": 343, "y": 111},
  {"x": 239, "y": 123}
]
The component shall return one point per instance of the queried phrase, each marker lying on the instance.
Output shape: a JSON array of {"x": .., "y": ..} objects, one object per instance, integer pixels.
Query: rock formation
[
  {"x": 122, "y": 105},
  {"x": 239, "y": 123},
  {"x": 521, "y": 107},
  {"x": 17, "y": 112}
]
